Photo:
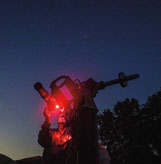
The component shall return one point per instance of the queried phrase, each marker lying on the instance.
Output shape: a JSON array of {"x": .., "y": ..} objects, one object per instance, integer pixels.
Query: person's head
[{"x": 61, "y": 122}]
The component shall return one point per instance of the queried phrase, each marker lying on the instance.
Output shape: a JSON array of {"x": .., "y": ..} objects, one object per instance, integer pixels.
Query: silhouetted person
[{"x": 56, "y": 142}]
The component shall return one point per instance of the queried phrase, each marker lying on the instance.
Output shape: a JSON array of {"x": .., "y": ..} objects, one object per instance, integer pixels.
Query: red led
[
  {"x": 79, "y": 87},
  {"x": 57, "y": 106}
]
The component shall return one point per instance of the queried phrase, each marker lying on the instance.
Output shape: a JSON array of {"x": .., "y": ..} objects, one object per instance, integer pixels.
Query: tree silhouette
[{"x": 132, "y": 133}]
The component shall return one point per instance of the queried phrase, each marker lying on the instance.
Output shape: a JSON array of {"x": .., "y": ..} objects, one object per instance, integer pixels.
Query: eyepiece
[{"x": 38, "y": 86}]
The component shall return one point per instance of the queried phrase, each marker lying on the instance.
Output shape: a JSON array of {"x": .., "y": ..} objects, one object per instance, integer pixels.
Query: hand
[
  {"x": 51, "y": 104},
  {"x": 47, "y": 114}
]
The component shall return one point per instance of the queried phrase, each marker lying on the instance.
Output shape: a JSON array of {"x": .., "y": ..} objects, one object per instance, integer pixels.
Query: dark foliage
[{"x": 131, "y": 132}]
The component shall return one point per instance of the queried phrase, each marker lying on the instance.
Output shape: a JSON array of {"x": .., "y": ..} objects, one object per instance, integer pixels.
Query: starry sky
[{"x": 43, "y": 39}]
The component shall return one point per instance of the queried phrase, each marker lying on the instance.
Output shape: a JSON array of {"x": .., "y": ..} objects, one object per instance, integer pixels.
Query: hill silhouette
[{"x": 6, "y": 160}]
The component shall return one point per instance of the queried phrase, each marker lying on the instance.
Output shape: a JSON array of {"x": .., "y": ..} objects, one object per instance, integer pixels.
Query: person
[{"x": 56, "y": 142}]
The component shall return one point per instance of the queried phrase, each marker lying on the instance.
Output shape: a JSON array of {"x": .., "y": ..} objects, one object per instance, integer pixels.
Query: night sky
[{"x": 41, "y": 40}]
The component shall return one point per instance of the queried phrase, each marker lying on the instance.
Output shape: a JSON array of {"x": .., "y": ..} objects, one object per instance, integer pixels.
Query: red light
[
  {"x": 79, "y": 87},
  {"x": 57, "y": 106},
  {"x": 102, "y": 146}
]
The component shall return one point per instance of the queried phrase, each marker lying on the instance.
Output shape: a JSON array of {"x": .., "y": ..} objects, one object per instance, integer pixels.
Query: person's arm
[{"x": 44, "y": 137}]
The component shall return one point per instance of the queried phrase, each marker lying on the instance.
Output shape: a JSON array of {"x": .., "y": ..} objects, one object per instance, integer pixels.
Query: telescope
[{"x": 64, "y": 90}]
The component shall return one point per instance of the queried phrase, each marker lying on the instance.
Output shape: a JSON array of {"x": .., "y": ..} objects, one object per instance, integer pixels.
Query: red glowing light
[
  {"x": 79, "y": 87},
  {"x": 102, "y": 146},
  {"x": 57, "y": 106},
  {"x": 59, "y": 138}
]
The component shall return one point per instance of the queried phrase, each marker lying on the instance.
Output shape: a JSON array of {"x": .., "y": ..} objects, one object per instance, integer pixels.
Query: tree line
[{"x": 132, "y": 132}]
